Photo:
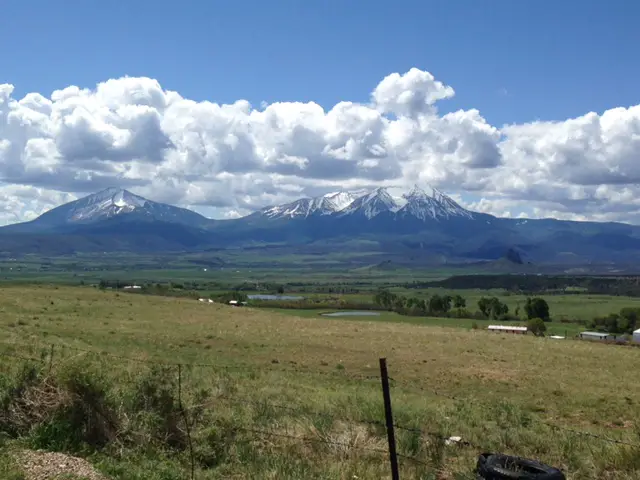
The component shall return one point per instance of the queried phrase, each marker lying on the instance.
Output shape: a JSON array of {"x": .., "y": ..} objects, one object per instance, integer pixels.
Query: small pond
[
  {"x": 352, "y": 314},
  {"x": 273, "y": 297}
]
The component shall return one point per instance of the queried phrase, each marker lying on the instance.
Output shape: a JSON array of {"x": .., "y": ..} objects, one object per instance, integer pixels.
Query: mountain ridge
[{"x": 416, "y": 224}]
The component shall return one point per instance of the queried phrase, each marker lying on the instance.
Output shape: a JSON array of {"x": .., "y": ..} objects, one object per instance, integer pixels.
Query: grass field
[
  {"x": 553, "y": 328},
  {"x": 284, "y": 396}
]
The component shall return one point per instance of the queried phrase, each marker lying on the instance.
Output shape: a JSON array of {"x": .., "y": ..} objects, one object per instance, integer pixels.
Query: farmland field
[
  {"x": 553, "y": 328},
  {"x": 274, "y": 395}
]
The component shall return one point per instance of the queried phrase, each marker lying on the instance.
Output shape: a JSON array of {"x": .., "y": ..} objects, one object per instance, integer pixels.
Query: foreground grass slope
[{"x": 278, "y": 396}]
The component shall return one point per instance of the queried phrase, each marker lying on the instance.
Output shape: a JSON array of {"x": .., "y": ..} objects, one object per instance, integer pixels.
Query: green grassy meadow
[
  {"x": 289, "y": 394},
  {"x": 553, "y": 328}
]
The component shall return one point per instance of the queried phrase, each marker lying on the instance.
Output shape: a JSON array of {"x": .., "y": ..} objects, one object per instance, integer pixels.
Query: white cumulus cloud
[{"x": 229, "y": 159}]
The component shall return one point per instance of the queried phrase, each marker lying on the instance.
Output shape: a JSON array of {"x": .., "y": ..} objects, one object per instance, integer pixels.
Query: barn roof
[
  {"x": 596, "y": 334},
  {"x": 507, "y": 327}
]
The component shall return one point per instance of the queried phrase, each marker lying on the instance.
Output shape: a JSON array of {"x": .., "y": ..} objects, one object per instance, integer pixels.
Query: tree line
[
  {"x": 539, "y": 284},
  {"x": 456, "y": 306},
  {"x": 624, "y": 322}
]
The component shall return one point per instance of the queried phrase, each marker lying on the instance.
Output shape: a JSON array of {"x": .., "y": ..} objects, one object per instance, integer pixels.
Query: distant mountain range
[{"x": 416, "y": 228}]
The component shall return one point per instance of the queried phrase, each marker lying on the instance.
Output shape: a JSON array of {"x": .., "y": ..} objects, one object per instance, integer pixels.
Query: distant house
[
  {"x": 636, "y": 336},
  {"x": 129, "y": 287},
  {"x": 597, "y": 336},
  {"x": 233, "y": 303},
  {"x": 508, "y": 329}
]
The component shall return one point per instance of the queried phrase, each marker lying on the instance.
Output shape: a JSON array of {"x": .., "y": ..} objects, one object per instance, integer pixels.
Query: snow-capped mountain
[
  {"x": 112, "y": 203},
  {"x": 437, "y": 206},
  {"x": 372, "y": 204},
  {"x": 417, "y": 203},
  {"x": 104, "y": 204},
  {"x": 414, "y": 224},
  {"x": 324, "y": 205}
]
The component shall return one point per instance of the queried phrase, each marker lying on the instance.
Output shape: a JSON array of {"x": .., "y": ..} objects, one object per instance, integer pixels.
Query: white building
[
  {"x": 636, "y": 336},
  {"x": 507, "y": 329},
  {"x": 597, "y": 336}
]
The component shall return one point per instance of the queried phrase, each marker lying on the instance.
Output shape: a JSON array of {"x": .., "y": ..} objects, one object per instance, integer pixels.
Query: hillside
[{"x": 300, "y": 397}]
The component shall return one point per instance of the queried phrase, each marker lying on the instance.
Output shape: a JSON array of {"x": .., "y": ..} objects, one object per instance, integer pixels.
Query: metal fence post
[
  {"x": 391, "y": 437},
  {"x": 51, "y": 357}
]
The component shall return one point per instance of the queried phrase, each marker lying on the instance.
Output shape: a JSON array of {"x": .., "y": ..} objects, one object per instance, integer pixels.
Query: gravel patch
[{"x": 41, "y": 465}]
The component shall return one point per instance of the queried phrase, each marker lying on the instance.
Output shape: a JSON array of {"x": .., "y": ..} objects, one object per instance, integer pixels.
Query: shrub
[
  {"x": 83, "y": 417},
  {"x": 69, "y": 411},
  {"x": 537, "y": 326},
  {"x": 155, "y": 397}
]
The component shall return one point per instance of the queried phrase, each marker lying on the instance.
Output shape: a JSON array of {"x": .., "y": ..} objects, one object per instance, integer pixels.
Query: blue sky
[{"x": 514, "y": 60}]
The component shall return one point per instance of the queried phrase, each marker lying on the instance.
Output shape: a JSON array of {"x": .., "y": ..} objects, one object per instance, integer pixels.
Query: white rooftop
[{"x": 507, "y": 327}]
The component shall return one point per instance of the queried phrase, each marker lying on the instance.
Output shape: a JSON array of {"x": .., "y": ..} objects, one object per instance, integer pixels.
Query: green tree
[
  {"x": 492, "y": 307},
  {"x": 385, "y": 299},
  {"x": 416, "y": 306},
  {"x": 439, "y": 304},
  {"x": 624, "y": 322},
  {"x": 459, "y": 301},
  {"x": 629, "y": 319},
  {"x": 537, "y": 326},
  {"x": 537, "y": 308},
  {"x": 399, "y": 304}
]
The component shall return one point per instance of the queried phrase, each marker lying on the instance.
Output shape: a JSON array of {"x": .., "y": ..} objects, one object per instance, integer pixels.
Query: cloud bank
[{"x": 227, "y": 160}]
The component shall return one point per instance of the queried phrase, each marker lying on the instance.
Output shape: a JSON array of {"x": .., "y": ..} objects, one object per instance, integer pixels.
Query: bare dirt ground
[{"x": 39, "y": 465}]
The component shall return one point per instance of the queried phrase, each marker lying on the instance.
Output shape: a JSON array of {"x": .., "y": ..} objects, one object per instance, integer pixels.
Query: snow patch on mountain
[
  {"x": 370, "y": 203},
  {"x": 341, "y": 200},
  {"x": 423, "y": 206},
  {"x": 105, "y": 204},
  {"x": 324, "y": 205}
]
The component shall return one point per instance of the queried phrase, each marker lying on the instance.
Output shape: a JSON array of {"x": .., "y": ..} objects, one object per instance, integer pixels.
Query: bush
[
  {"x": 69, "y": 411},
  {"x": 155, "y": 399},
  {"x": 84, "y": 418},
  {"x": 460, "y": 313},
  {"x": 537, "y": 326}
]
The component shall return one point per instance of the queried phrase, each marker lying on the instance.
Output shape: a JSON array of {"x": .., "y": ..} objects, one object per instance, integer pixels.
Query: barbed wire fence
[{"x": 47, "y": 355}]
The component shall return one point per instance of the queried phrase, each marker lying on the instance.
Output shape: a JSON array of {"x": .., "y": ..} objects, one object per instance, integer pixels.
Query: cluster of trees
[
  {"x": 535, "y": 308},
  {"x": 625, "y": 321},
  {"x": 538, "y": 284},
  {"x": 436, "y": 305},
  {"x": 447, "y": 305},
  {"x": 493, "y": 308}
]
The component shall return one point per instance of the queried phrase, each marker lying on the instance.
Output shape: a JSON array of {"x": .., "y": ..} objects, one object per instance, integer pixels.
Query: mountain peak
[
  {"x": 415, "y": 192},
  {"x": 373, "y": 203},
  {"x": 116, "y": 202},
  {"x": 326, "y": 204},
  {"x": 435, "y": 206},
  {"x": 105, "y": 203}
]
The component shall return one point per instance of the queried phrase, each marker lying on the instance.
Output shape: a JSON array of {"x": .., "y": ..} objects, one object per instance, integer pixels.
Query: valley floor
[{"x": 260, "y": 394}]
